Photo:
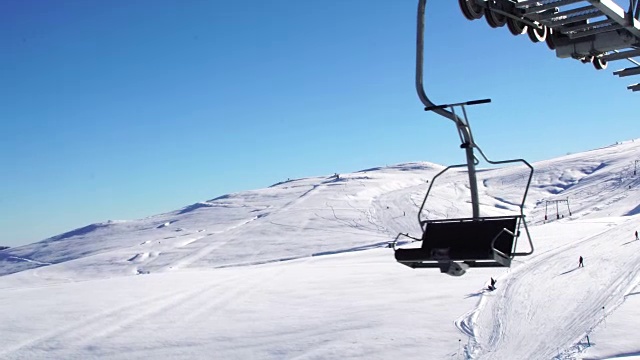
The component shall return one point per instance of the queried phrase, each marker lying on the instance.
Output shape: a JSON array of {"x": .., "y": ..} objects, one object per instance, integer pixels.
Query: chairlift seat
[{"x": 480, "y": 242}]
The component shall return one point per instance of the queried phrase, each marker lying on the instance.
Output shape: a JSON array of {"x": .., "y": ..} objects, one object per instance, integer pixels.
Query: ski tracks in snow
[
  {"x": 76, "y": 332},
  {"x": 175, "y": 308},
  {"x": 504, "y": 326},
  {"x": 467, "y": 325},
  {"x": 206, "y": 249}
]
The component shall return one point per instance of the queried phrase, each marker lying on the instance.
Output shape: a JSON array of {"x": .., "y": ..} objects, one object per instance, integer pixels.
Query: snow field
[{"x": 301, "y": 270}]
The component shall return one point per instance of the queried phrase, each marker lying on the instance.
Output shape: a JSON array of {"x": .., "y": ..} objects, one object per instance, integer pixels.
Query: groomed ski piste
[{"x": 302, "y": 270}]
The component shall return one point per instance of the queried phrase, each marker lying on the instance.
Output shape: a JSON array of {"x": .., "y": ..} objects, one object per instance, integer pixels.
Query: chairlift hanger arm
[
  {"x": 462, "y": 125},
  {"x": 419, "y": 68},
  {"x": 429, "y": 105}
]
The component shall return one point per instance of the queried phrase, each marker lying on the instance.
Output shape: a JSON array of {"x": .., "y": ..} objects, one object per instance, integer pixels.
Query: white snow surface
[{"x": 302, "y": 270}]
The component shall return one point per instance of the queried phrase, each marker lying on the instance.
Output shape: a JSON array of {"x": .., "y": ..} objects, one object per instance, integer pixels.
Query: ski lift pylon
[{"x": 454, "y": 245}]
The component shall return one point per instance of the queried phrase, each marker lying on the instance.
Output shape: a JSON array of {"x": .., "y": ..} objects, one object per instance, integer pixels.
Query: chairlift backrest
[{"x": 471, "y": 239}]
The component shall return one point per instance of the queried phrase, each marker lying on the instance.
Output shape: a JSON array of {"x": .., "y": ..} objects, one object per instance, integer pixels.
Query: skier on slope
[
  {"x": 636, "y": 234},
  {"x": 493, "y": 284},
  {"x": 580, "y": 264}
]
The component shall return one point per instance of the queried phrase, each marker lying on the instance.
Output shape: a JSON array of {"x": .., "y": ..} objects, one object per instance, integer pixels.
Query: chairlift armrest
[
  {"x": 496, "y": 238},
  {"x": 395, "y": 241},
  {"x": 526, "y": 231}
]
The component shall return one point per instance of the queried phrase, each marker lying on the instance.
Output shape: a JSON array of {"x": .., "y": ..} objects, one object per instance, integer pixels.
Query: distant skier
[
  {"x": 636, "y": 234},
  {"x": 493, "y": 284},
  {"x": 580, "y": 262}
]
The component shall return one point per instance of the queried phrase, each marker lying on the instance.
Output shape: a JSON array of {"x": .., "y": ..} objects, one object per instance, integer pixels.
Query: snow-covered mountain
[{"x": 301, "y": 269}]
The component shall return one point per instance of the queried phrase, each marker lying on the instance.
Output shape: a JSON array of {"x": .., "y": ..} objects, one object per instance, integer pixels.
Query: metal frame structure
[
  {"x": 447, "y": 264},
  {"x": 557, "y": 202},
  {"x": 469, "y": 145},
  {"x": 596, "y": 31}
]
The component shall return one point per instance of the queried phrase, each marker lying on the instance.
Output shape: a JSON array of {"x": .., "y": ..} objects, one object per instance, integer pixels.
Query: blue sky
[{"x": 126, "y": 109}]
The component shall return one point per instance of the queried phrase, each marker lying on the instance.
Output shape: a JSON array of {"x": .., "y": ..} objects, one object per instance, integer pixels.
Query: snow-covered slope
[{"x": 302, "y": 270}]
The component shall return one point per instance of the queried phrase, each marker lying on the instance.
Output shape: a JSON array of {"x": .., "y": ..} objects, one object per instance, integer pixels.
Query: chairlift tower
[
  {"x": 591, "y": 31},
  {"x": 557, "y": 203}
]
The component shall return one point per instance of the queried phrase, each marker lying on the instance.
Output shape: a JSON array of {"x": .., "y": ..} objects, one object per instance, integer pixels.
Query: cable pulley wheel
[
  {"x": 551, "y": 39},
  {"x": 494, "y": 19},
  {"x": 599, "y": 63},
  {"x": 470, "y": 9},
  {"x": 537, "y": 34},
  {"x": 516, "y": 27}
]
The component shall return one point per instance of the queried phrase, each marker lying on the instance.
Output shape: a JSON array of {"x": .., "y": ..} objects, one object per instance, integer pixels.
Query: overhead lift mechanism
[
  {"x": 454, "y": 245},
  {"x": 592, "y": 31}
]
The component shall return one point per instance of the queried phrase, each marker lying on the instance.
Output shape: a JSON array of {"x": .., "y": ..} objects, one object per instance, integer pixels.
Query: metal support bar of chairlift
[
  {"x": 608, "y": 26},
  {"x": 634, "y": 62},
  {"x": 525, "y": 4},
  {"x": 620, "y": 55},
  {"x": 463, "y": 127},
  {"x": 591, "y": 25},
  {"x": 577, "y": 18},
  {"x": 634, "y": 9},
  {"x": 628, "y": 55},
  {"x": 584, "y": 30},
  {"x": 628, "y": 72},
  {"x": 533, "y": 6},
  {"x": 617, "y": 14},
  {"x": 568, "y": 17}
]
